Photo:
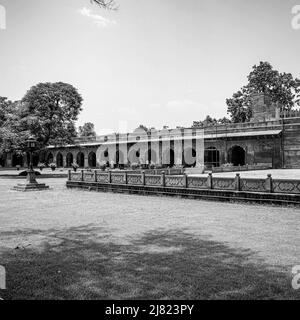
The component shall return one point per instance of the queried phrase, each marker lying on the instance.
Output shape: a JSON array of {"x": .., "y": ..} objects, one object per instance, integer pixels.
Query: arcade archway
[
  {"x": 2, "y": 160},
  {"x": 50, "y": 158},
  {"x": 80, "y": 159},
  {"x": 17, "y": 160},
  {"x": 190, "y": 156},
  {"x": 120, "y": 159},
  {"x": 169, "y": 158},
  {"x": 69, "y": 159},
  {"x": 92, "y": 160},
  {"x": 152, "y": 156},
  {"x": 59, "y": 160},
  {"x": 212, "y": 157},
  {"x": 237, "y": 156}
]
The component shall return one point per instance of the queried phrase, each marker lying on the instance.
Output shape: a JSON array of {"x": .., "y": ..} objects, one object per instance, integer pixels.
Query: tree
[
  {"x": 209, "y": 121},
  {"x": 239, "y": 106},
  {"x": 283, "y": 88},
  {"x": 87, "y": 130},
  {"x": 106, "y": 4},
  {"x": 49, "y": 111},
  {"x": 11, "y": 136},
  {"x": 6, "y": 107}
]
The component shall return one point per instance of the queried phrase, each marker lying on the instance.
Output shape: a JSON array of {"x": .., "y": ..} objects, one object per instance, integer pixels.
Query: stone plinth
[
  {"x": 32, "y": 184},
  {"x": 31, "y": 187}
]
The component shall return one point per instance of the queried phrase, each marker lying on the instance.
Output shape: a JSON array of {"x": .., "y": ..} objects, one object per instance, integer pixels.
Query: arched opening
[
  {"x": 103, "y": 157},
  {"x": 35, "y": 159},
  {"x": 134, "y": 156},
  {"x": 69, "y": 159},
  {"x": 212, "y": 157},
  {"x": 120, "y": 160},
  {"x": 42, "y": 157},
  {"x": 80, "y": 159},
  {"x": 2, "y": 160},
  {"x": 17, "y": 160},
  {"x": 169, "y": 158},
  {"x": 92, "y": 160},
  {"x": 190, "y": 155},
  {"x": 50, "y": 158},
  {"x": 237, "y": 156},
  {"x": 152, "y": 156},
  {"x": 59, "y": 160}
]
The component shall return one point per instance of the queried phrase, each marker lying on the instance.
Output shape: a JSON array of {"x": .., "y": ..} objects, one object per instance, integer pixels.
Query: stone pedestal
[{"x": 31, "y": 185}]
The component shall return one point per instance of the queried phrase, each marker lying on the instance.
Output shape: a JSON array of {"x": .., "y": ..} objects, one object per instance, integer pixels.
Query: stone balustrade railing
[{"x": 268, "y": 185}]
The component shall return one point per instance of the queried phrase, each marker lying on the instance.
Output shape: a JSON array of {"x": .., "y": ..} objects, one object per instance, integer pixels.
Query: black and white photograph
[{"x": 149, "y": 153}]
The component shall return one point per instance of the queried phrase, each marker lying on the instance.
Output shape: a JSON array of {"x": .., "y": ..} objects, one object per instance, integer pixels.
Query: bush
[
  {"x": 227, "y": 165},
  {"x": 75, "y": 166},
  {"x": 152, "y": 166},
  {"x": 135, "y": 166},
  {"x": 103, "y": 165},
  {"x": 52, "y": 166},
  {"x": 24, "y": 173},
  {"x": 41, "y": 166}
]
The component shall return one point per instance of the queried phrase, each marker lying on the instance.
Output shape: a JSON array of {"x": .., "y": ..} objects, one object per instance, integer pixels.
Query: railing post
[
  {"x": 125, "y": 178},
  {"x": 95, "y": 175},
  {"x": 185, "y": 181},
  {"x": 163, "y": 179},
  {"x": 209, "y": 181},
  {"x": 143, "y": 178},
  {"x": 69, "y": 175},
  {"x": 269, "y": 183},
  {"x": 238, "y": 182},
  {"x": 82, "y": 175},
  {"x": 109, "y": 176}
]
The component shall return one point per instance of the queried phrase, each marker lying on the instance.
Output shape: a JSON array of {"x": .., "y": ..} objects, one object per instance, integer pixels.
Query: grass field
[{"x": 69, "y": 244}]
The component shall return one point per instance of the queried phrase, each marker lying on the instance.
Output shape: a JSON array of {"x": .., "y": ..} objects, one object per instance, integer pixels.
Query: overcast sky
[{"x": 158, "y": 62}]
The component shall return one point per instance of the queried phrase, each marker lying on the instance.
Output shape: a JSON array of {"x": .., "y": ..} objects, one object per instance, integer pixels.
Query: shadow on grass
[{"x": 83, "y": 263}]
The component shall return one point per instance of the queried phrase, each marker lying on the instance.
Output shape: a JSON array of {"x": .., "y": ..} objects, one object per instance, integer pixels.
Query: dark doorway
[
  {"x": 237, "y": 156},
  {"x": 2, "y": 160},
  {"x": 59, "y": 160},
  {"x": 35, "y": 159},
  {"x": 50, "y": 158},
  {"x": 69, "y": 160},
  {"x": 80, "y": 159},
  {"x": 169, "y": 159},
  {"x": 120, "y": 161},
  {"x": 92, "y": 160},
  {"x": 17, "y": 160},
  {"x": 212, "y": 157},
  {"x": 190, "y": 156}
]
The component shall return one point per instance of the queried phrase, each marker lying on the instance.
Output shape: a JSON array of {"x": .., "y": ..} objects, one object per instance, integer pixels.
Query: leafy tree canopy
[
  {"x": 209, "y": 121},
  {"x": 106, "y": 4},
  {"x": 283, "y": 88},
  {"x": 87, "y": 130},
  {"x": 49, "y": 112}
]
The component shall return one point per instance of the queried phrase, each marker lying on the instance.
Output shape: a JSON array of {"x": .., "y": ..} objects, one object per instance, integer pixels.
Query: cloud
[{"x": 98, "y": 20}]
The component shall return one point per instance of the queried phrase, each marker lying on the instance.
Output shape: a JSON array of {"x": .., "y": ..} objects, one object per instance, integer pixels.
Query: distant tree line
[
  {"x": 48, "y": 111},
  {"x": 282, "y": 87}
]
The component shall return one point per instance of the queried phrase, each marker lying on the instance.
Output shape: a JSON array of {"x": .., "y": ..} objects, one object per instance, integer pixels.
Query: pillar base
[{"x": 31, "y": 187}]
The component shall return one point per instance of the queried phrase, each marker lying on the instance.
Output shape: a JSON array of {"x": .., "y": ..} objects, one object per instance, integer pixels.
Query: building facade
[{"x": 271, "y": 138}]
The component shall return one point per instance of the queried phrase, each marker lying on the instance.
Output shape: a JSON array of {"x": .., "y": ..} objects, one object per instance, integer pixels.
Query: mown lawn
[
  {"x": 69, "y": 244},
  {"x": 158, "y": 265}
]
